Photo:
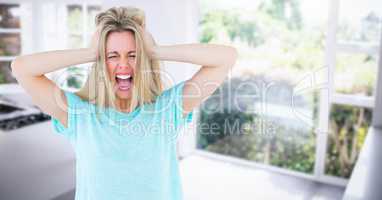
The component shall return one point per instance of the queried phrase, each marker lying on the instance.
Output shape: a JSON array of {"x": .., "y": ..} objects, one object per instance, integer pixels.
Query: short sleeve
[
  {"x": 172, "y": 102},
  {"x": 69, "y": 132}
]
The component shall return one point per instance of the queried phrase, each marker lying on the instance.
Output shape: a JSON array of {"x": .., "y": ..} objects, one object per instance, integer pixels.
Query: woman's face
[{"x": 120, "y": 62}]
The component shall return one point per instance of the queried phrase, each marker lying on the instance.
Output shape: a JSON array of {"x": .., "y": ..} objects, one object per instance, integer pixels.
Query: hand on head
[{"x": 149, "y": 42}]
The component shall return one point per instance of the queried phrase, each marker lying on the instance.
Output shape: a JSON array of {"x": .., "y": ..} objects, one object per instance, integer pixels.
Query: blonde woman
[{"x": 122, "y": 124}]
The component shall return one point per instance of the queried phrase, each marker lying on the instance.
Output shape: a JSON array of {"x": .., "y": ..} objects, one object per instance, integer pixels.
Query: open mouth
[{"x": 124, "y": 81}]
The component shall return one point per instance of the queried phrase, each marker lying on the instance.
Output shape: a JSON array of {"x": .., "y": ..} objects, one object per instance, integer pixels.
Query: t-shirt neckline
[{"x": 125, "y": 115}]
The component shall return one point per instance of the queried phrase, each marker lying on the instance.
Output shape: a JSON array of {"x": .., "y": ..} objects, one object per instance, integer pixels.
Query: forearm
[
  {"x": 44, "y": 62},
  {"x": 200, "y": 54}
]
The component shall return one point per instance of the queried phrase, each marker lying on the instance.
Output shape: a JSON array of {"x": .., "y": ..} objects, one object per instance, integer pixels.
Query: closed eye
[{"x": 116, "y": 56}]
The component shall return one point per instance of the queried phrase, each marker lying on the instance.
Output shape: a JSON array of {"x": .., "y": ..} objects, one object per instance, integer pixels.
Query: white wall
[{"x": 377, "y": 112}]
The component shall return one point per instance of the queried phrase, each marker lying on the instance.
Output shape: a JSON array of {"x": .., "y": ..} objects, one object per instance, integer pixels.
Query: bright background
[{"x": 298, "y": 102}]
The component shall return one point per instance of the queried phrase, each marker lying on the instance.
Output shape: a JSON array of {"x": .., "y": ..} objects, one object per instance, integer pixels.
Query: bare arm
[
  {"x": 44, "y": 62},
  {"x": 216, "y": 61},
  {"x": 29, "y": 71}
]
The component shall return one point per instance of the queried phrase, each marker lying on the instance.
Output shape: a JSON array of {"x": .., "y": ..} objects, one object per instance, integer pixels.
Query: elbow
[
  {"x": 18, "y": 67},
  {"x": 15, "y": 66}
]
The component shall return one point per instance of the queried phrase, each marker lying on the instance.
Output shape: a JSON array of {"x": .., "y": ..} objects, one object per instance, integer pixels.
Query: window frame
[
  {"x": 85, "y": 35},
  {"x": 328, "y": 97},
  {"x": 377, "y": 116}
]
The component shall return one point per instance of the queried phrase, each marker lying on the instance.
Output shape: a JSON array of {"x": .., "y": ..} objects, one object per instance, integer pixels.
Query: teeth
[{"x": 123, "y": 76}]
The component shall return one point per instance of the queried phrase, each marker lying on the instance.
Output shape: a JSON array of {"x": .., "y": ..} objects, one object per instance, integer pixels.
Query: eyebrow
[{"x": 133, "y": 51}]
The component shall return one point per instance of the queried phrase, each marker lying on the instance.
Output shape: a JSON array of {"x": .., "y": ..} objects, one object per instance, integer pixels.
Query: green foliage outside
[
  {"x": 271, "y": 38},
  {"x": 349, "y": 126},
  {"x": 238, "y": 131},
  {"x": 76, "y": 78}
]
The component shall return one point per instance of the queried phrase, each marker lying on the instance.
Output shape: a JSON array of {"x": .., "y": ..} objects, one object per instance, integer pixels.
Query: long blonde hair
[{"x": 147, "y": 81}]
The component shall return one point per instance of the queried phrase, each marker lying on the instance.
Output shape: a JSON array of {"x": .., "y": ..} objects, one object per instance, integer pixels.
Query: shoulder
[
  {"x": 172, "y": 92},
  {"x": 76, "y": 104},
  {"x": 171, "y": 99}
]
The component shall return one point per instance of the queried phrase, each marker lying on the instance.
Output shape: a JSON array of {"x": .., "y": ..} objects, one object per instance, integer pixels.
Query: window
[
  {"x": 354, "y": 79},
  {"x": 80, "y": 26},
  {"x": 295, "y": 100},
  {"x": 10, "y": 39},
  {"x": 265, "y": 115},
  {"x": 50, "y": 26},
  {"x": 75, "y": 26}
]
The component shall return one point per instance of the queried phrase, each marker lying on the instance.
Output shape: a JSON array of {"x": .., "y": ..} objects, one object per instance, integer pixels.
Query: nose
[
  {"x": 125, "y": 69},
  {"x": 123, "y": 66},
  {"x": 124, "y": 61}
]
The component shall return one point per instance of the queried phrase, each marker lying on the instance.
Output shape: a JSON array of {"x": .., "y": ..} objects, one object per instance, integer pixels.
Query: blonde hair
[{"x": 147, "y": 81}]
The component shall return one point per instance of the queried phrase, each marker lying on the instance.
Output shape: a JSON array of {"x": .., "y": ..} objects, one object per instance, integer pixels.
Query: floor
[
  {"x": 35, "y": 163},
  {"x": 207, "y": 178}
]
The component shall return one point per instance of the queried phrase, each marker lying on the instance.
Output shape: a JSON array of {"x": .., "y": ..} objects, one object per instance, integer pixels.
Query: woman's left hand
[{"x": 149, "y": 42}]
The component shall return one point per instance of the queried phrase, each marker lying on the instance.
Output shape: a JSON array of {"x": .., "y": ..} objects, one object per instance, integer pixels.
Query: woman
[{"x": 122, "y": 125}]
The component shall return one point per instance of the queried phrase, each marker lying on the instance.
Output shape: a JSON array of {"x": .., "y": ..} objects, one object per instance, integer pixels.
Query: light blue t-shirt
[{"x": 126, "y": 155}]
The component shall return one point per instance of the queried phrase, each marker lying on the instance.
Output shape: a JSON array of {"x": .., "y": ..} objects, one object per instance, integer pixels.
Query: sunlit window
[{"x": 271, "y": 108}]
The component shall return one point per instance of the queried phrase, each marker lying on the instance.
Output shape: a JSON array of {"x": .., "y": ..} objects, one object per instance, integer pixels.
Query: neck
[{"x": 123, "y": 104}]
